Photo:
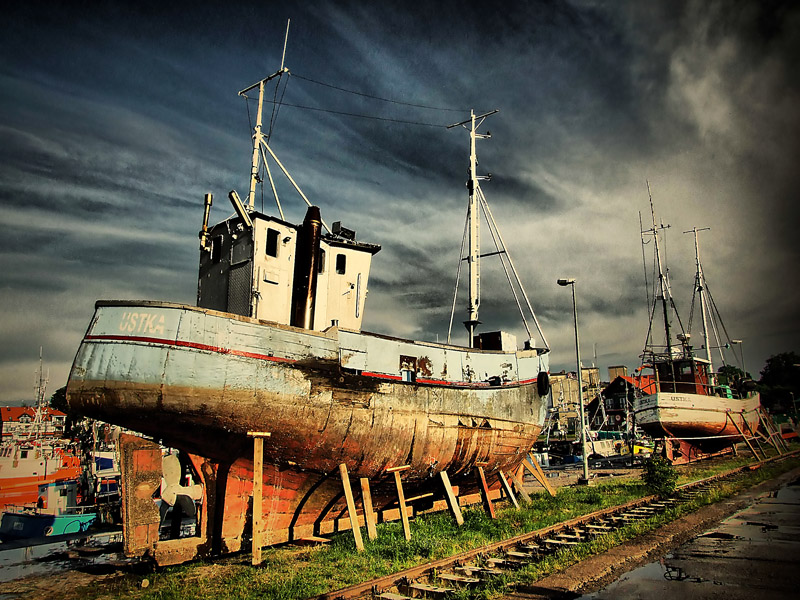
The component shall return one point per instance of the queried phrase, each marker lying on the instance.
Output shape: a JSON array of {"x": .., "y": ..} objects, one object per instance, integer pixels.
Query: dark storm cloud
[{"x": 116, "y": 118}]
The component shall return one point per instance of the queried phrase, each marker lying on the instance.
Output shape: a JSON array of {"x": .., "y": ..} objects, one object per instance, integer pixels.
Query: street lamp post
[
  {"x": 741, "y": 353},
  {"x": 571, "y": 283}
]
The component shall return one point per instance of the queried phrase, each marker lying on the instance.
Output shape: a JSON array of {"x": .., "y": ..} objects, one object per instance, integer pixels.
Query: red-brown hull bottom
[{"x": 296, "y": 504}]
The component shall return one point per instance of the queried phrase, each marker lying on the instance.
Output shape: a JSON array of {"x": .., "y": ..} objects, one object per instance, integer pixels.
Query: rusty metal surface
[{"x": 140, "y": 466}]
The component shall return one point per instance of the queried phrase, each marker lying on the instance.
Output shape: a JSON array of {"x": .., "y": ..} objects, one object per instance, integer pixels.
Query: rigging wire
[
  {"x": 341, "y": 89},
  {"x": 458, "y": 275},
  {"x": 276, "y": 105},
  {"x": 362, "y": 116},
  {"x": 502, "y": 254}
]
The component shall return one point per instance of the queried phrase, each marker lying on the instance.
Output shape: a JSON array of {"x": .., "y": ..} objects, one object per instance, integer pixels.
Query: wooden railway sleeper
[
  {"x": 522, "y": 555},
  {"x": 390, "y": 596},
  {"x": 481, "y": 572},
  {"x": 506, "y": 563},
  {"x": 462, "y": 580},
  {"x": 418, "y": 589}
]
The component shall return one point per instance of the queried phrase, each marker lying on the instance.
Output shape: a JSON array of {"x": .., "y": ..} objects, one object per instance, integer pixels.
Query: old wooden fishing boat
[
  {"x": 275, "y": 347},
  {"x": 689, "y": 406}
]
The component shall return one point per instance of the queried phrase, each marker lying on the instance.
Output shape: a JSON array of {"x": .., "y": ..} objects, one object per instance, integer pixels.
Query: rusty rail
[{"x": 375, "y": 586}]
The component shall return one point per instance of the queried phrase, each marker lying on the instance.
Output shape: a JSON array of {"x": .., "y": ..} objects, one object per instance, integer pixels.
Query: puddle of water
[
  {"x": 648, "y": 579},
  {"x": 44, "y": 559},
  {"x": 651, "y": 572},
  {"x": 721, "y": 535}
]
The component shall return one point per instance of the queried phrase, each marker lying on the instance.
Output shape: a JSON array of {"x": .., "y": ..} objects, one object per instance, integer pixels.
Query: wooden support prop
[
  {"x": 532, "y": 465},
  {"x": 507, "y": 489},
  {"x": 744, "y": 437},
  {"x": 401, "y": 498},
  {"x": 755, "y": 435},
  {"x": 487, "y": 501},
  {"x": 351, "y": 507},
  {"x": 768, "y": 425},
  {"x": 517, "y": 481},
  {"x": 452, "y": 501},
  {"x": 258, "y": 492},
  {"x": 369, "y": 513}
]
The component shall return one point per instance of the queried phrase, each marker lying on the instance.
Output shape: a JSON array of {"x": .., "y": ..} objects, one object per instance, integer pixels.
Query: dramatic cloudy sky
[{"x": 115, "y": 119}]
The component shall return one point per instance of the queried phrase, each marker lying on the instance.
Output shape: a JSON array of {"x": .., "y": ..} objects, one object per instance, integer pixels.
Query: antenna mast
[{"x": 260, "y": 144}]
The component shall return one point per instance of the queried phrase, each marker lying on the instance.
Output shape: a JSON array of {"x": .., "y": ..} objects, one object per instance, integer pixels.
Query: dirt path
[{"x": 598, "y": 571}]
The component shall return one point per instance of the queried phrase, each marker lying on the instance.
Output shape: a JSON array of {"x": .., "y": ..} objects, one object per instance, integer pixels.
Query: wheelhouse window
[
  {"x": 216, "y": 249},
  {"x": 272, "y": 242},
  {"x": 341, "y": 264}
]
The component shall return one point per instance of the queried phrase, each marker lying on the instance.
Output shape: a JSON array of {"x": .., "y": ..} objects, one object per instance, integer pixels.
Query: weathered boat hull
[
  {"x": 710, "y": 423},
  {"x": 200, "y": 380}
]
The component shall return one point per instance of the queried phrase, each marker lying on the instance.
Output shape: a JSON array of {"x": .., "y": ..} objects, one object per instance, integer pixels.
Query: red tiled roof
[
  {"x": 645, "y": 383},
  {"x": 13, "y": 413}
]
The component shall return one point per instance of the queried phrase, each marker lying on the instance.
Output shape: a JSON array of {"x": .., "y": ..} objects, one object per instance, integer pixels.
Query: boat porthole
[
  {"x": 543, "y": 383},
  {"x": 48, "y": 531}
]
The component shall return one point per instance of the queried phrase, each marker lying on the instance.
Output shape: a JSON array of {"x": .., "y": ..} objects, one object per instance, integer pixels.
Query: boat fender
[
  {"x": 48, "y": 530},
  {"x": 543, "y": 383}
]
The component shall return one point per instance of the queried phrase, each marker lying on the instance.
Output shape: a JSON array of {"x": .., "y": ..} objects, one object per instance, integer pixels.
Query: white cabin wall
[
  {"x": 345, "y": 290},
  {"x": 273, "y": 275}
]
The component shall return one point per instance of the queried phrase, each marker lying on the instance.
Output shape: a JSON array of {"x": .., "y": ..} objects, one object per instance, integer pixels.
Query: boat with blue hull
[{"x": 55, "y": 513}]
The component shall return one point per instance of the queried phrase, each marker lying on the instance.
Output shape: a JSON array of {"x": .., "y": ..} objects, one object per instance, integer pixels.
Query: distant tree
[
  {"x": 59, "y": 399},
  {"x": 780, "y": 382}
]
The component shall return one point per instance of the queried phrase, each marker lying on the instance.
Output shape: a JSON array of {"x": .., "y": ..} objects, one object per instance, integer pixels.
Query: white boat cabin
[{"x": 276, "y": 271}]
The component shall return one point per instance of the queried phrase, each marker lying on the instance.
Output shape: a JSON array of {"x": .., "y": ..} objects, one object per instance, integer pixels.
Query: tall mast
[
  {"x": 700, "y": 285},
  {"x": 663, "y": 281},
  {"x": 473, "y": 221},
  {"x": 474, "y": 260},
  {"x": 472, "y": 228}
]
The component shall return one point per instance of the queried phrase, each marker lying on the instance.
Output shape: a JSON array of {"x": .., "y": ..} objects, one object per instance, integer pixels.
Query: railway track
[{"x": 477, "y": 567}]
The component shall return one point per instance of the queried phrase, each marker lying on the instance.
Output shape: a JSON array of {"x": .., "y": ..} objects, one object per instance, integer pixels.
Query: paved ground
[
  {"x": 746, "y": 547},
  {"x": 753, "y": 554}
]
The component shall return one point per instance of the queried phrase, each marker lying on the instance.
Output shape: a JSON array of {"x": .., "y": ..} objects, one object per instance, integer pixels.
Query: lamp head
[{"x": 566, "y": 282}]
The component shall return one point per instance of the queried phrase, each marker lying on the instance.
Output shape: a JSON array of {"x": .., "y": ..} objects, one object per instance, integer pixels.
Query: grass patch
[{"x": 295, "y": 573}]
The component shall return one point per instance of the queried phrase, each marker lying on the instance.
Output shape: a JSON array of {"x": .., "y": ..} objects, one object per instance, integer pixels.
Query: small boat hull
[
  {"x": 18, "y": 525},
  {"x": 710, "y": 423}
]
